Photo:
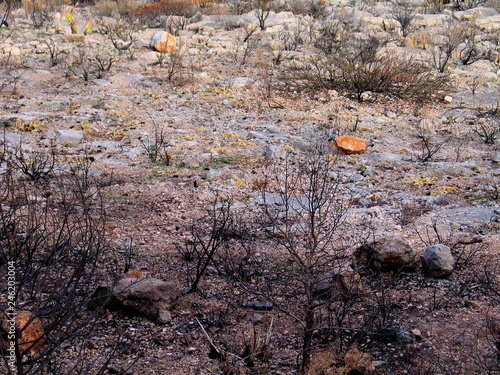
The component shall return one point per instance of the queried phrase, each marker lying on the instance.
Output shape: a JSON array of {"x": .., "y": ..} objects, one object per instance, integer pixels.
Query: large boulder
[
  {"x": 149, "y": 297},
  {"x": 391, "y": 253},
  {"x": 438, "y": 261},
  {"x": 163, "y": 41}
]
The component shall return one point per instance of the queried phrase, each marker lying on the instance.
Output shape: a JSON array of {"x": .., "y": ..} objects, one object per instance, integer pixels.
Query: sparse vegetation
[{"x": 111, "y": 151}]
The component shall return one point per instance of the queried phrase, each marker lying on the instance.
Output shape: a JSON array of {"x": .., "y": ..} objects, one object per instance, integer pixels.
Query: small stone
[
  {"x": 496, "y": 157},
  {"x": 347, "y": 144},
  {"x": 257, "y": 318},
  {"x": 447, "y": 99},
  {"x": 417, "y": 334},
  {"x": 262, "y": 306}
]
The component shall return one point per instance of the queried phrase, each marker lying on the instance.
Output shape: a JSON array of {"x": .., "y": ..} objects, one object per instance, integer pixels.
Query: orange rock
[
  {"x": 350, "y": 145},
  {"x": 30, "y": 329},
  {"x": 163, "y": 42},
  {"x": 135, "y": 274}
]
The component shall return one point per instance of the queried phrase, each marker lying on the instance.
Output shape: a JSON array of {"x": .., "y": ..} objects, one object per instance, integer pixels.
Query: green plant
[{"x": 69, "y": 15}]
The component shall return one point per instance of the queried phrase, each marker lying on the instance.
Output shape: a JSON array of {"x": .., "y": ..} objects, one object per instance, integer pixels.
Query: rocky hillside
[{"x": 209, "y": 147}]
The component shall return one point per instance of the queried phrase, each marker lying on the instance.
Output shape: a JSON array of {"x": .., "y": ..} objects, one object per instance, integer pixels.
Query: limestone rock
[
  {"x": 69, "y": 136},
  {"x": 438, "y": 261},
  {"x": 347, "y": 144},
  {"x": 391, "y": 253},
  {"x": 163, "y": 41},
  {"x": 32, "y": 337}
]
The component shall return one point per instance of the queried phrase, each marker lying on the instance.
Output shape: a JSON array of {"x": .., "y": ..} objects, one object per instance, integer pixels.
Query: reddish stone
[
  {"x": 31, "y": 338},
  {"x": 350, "y": 145}
]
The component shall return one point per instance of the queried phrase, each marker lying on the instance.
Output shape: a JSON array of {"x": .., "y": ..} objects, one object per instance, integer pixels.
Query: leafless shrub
[
  {"x": 246, "y": 45},
  {"x": 206, "y": 240},
  {"x": 121, "y": 34},
  {"x": 443, "y": 47},
  {"x": 9, "y": 76},
  {"x": 156, "y": 145},
  {"x": 362, "y": 65},
  {"x": 314, "y": 8},
  {"x": 5, "y": 8},
  {"x": 434, "y": 6},
  {"x": 262, "y": 12},
  {"x": 469, "y": 51},
  {"x": 294, "y": 35},
  {"x": 35, "y": 165},
  {"x": 304, "y": 216},
  {"x": 153, "y": 13},
  {"x": 174, "y": 24},
  {"x": 412, "y": 211},
  {"x": 56, "y": 55},
  {"x": 88, "y": 63},
  {"x": 123, "y": 9},
  {"x": 403, "y": 12},
  {"x": 54, "y": 242},
  {"x": 467, "y": 4},
  {"x": 487, "y": 126},
  {"x": 40, "y": 12},
  {"x": 430, "y": 145}
]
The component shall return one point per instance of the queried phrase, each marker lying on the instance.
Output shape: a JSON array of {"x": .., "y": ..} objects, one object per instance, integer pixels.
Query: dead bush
[
  {"x": 443, "y": 46},
  {"x": 403, "y": 12},
  {"x": 52, "y": 241},
  {"x": 467, "y": 4},
  {"x": 152, "y": 13},
  {"x": 40, "y": 12},
  {"x": 89, "y": 63},
  {"x": 360, "y": 65},
  {"x": 123, "y": 9}
]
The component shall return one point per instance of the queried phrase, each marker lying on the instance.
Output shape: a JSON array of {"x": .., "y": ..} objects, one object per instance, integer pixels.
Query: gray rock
[
  {"x": 65, "y": 136},
  {"x": 496, "y": 158},
  {"x": 11, "y": 138},
  {"x": 386, "y": 157},
  {"x": 438, "y": 261},
  {"x": 261, "y": 306},
  {"x": 239, "y": 82},
  {"x": 390, "y": 253}
]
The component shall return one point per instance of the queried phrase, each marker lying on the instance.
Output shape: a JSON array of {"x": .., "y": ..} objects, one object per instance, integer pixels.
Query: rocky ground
[{"x": 222, "y": 123}]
